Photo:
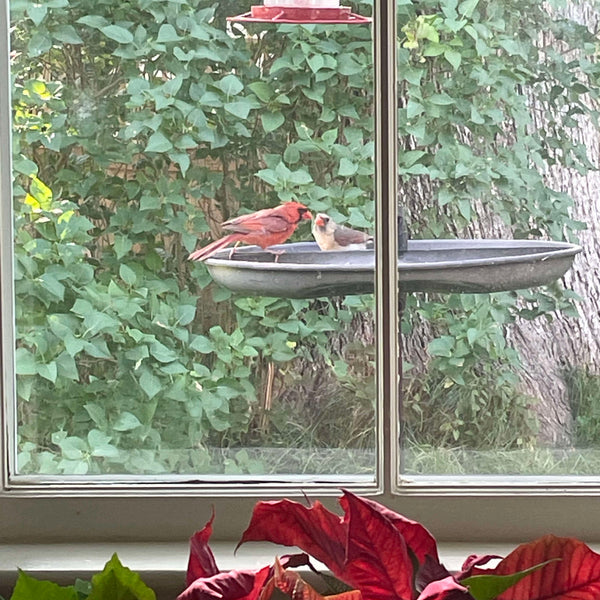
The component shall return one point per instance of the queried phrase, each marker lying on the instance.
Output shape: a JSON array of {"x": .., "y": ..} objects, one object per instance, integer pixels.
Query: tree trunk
[{"x": 547, "y": 348}]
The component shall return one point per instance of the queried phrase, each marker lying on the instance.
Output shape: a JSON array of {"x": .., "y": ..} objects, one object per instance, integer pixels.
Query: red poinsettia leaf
[
  {"x": 292, "y": 561},
  {"x": 291, "y": 584},
  {"x": 313, "y": 529},
  {"x": 417, "y": 537},
  {"x": 575, "y": 576},
  {"x": 431, "y": 570},
  {"x": 377, "y": 560},
  {"x": 229, "y": 585},
  {"x": 201, "y": 562},
  {"x": 475, "y": 560},
  {"x": 445, "y": 589}
]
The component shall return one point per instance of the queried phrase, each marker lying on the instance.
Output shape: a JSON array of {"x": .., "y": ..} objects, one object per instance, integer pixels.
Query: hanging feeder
[{"x": 301, "y": 11}]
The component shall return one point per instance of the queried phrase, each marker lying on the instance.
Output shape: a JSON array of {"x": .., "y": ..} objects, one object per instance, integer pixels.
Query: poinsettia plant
[{"x": 377, "y": 554}]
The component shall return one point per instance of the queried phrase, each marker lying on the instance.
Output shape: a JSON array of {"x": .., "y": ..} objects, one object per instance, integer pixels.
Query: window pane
[
  {"x": 498, "y": 141},
  {"x": 138, "y": 129}
]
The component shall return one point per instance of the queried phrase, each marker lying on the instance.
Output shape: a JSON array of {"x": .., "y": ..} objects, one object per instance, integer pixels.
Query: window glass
[
  {"x": 498, "y": 140},
  {"x": 138, "y": 129}
]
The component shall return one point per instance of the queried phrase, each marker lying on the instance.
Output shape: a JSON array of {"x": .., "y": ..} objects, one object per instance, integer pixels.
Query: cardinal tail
[{"x": 208, "y": 251}]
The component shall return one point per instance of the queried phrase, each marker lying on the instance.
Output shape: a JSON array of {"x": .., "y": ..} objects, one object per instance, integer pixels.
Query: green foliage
[
  {"x": 469, "y": 395},
  {"x": 129, "y": 122},
  {"x": 583, "y": 389},
  {"x": 114, "y": 582},
  {"x": 140, "y": 126}
]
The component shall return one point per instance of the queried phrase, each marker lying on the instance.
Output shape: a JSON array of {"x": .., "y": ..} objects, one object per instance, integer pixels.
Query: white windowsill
[{"x": 162, "y": 565}]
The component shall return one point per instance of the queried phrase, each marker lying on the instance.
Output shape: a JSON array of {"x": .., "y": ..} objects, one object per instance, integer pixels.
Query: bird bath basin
[{"x": 463, "y": 266}]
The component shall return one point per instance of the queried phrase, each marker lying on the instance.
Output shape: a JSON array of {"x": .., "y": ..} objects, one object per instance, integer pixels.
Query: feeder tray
[
  {"x": 331, "y": 15},
  {"x": 461, "y": 266}
]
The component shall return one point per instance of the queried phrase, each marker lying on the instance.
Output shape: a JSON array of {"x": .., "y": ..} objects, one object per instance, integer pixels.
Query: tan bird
[{"x": 331, "y": 236}]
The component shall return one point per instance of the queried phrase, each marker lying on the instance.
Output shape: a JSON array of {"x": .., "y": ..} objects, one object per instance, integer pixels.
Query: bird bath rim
[{"x": 462, "y": 266}]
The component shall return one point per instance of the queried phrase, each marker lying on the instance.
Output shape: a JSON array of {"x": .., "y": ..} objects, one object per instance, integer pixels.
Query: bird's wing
[
  {"x": 267, "y": 222},
  {"x": 345, "y": 236}
]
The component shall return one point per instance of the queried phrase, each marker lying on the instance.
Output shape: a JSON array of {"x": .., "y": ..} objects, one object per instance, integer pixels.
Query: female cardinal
[
  {"x": 264, "y": 228},
  {"x": 331, "y": 236}
]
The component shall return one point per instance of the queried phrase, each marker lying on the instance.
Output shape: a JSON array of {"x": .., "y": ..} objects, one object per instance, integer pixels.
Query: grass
[
  {"x": 583, "y": 388},
  {"x": 425, "y": 460}
]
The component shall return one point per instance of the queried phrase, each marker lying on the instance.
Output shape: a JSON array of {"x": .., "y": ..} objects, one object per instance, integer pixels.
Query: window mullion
[{"x": 386, "y": 277}]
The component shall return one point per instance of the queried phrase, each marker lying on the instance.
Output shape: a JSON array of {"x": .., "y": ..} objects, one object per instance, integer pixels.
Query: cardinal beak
[
  {"x": 319, "y": 221},
  {"x": 307, "y": 215}
]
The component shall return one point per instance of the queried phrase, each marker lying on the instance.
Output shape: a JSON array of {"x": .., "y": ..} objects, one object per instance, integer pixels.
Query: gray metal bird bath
[{"x": 463, "y": 266}]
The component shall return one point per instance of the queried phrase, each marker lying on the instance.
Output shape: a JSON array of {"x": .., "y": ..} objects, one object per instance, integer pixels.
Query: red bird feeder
[{"x": 301, "y": 11}]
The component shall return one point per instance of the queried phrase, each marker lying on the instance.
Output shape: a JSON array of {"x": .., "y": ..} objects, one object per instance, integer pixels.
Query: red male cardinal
[
  {"x": 264, "y": 228},
  {"x": 331, "y": 236}
]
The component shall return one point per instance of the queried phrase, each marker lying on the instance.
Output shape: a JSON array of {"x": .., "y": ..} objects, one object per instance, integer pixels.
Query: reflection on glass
[
  {"x": 494, "y": 120},
  {"x": 139, "y": 128}
]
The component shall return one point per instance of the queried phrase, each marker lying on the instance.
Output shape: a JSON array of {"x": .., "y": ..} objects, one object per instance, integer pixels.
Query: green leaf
[
  {"x": 97, "y": 413},
  {"x": 29, "y": 588},
  {"x": 25, "y": 363},
  {"x": 413, "y": 109},
  {"x": 67, "y": 34},
  {"x": 127, "y": 274},
  {"x": 167, "y": 33},
  {"x": 272, "y": 121},
  {"x": 66, "y": 366},
  {"x": 157, "y": 142},
  {"x": 72, "y": 448},
  {"x": 230, "y": 85},
  {"x": 117, "y": 33},
  {"x": 95, "y": 21},
  {"x": 48, "y": 371},
  {"x": 347, "y": 168},
  {"x": 126, "y": 421},
  {"x": 119, "y": 583},
  {"x": 150, "y": 384},
  {"x": 186, "y": 313},
  {"x": 239, "y": 109},
  {"x": 37, "y": 13},
  {"x": 182, "y": 159},
  {"x": 25, "y": 166},
  {"x": 441, "y": 346},
  {"x": 453, "y": 57},
  {"x": 39, "y": 43},
  {"x": 263, "y": 90},
  {"x": 488, "y": 587},
  {"x": 162, "y": 353},
  {"x": 316, "y": 62},
  {"x": 472, "y": 334},
  {"x": 467, "y": 7},
  {"x": 442, "y": 99},
  {"x": 121, "y": 245},
  {"x": 464, "y": 207},
  {"x": 202, "y": 344}
]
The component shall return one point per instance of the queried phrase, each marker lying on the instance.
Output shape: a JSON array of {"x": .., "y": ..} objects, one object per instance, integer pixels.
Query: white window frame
[{"x": 38, "y": 509}]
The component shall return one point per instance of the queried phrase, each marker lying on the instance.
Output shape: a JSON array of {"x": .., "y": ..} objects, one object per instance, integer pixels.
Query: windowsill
[{"x": 162, "y": 565}]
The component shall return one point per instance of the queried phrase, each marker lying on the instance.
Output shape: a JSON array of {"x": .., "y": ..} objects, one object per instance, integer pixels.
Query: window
[{"x": 141, "y": 383}]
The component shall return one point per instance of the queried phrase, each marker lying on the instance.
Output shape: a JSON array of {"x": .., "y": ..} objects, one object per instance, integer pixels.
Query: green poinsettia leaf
[
  {"x": 117, "y": 582},
  {"x": 488, "y": 587},
  {"x": 30, "y": 588}
]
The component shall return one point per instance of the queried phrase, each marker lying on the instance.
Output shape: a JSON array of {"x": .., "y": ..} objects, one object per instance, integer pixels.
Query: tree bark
[{"x": 547, "y": 348}]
